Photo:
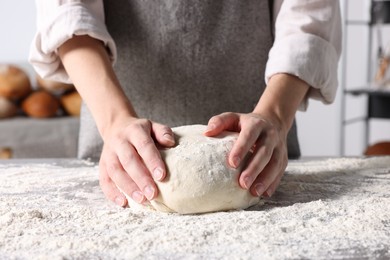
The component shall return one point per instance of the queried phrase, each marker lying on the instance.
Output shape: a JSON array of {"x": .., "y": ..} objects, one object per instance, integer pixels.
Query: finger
[
  {"x": 134, "y": 169},
  {"x": 283, "y": 165},
  {"x": 114, "y": 175},
  {"x": 245, "y": 141},
  {"x": 148, "y": 152},
  {"x": 268, "y": 176},
  {"x": 219, "y": 123},
  {"x": 272, "y": 188},
  {"x": 109, "y": 188},
  {"x": 163, "y": 134},
  {"x": 258, "y": 161}
]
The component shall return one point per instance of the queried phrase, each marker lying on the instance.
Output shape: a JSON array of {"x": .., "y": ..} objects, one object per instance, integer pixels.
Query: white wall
[
  {"x": 319, "y": 127},
  {"x": 17, "y": 27}
]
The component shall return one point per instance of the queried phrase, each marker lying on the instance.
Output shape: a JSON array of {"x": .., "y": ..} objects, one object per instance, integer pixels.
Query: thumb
[
  {"x": 219, "y": 123},
  {"x": 163, "y": 134}
]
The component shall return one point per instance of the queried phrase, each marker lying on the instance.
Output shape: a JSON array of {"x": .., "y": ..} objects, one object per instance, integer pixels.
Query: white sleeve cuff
[
  {"x": 311, "y": 59},
  {"x": 69, "y": 20}
]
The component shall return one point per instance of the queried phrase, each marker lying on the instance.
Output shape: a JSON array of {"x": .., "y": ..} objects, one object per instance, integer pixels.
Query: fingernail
[
  {"x": 137, "y": 196},
  {"x": 149, "y": 192},
  {"x": 120, "y": 201},
  {"x": 158, "y": 173},
  {"x": 169, "y": 138},
  {"x": 269, "y": 192},
  {"x": 210, "y": 128},
  {"x": 235, "y": 161},
  {"x": 259, "y": 188},
  {"x": 247, "y": 182}
]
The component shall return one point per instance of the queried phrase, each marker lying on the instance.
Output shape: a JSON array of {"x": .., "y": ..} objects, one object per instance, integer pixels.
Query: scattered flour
[{"x": 335, "y": 208}]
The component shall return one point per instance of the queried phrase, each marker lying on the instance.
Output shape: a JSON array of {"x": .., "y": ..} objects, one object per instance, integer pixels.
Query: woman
[{"x": 187, "y": 62}]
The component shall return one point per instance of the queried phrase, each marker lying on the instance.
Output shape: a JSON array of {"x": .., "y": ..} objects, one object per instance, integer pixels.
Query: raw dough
[{"x": 199, "y": 178}]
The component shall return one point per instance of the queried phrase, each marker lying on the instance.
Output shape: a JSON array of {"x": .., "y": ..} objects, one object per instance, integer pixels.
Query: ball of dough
[
  {"x": 41, "y": 104},
  {"x": 7, "y": 108},
  {"x": 71, "y": 103},
  {"x": 53, "y": 86},
  {"x": 14, "y": 82},
  {"x": 199, "y": 178}
]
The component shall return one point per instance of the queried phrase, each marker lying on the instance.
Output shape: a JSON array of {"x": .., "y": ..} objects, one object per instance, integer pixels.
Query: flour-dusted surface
[{"x": 335, "y": 208}]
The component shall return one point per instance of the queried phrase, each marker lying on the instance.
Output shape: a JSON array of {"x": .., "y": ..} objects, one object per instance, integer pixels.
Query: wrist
[
  {"x": 113, "y": 117},
  {"x": 281, "y": 99}
]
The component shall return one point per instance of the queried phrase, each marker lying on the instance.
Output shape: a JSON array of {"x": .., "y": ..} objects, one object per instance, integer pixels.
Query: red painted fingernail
[
  {"x": 158, "y": 173},
  {"x": 120, "y": 201},
  {"x": 137, "y": 197},
  {"x": 260, "y": 189}
]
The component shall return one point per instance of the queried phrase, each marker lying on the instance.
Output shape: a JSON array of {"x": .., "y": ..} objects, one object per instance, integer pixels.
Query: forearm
[
  {"x": 86, "y": 61},
  {"x": 281, "y": 98}
]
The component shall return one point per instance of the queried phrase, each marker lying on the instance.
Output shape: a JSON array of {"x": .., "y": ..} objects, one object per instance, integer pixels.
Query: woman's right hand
[{"x": 130, "y": 161}]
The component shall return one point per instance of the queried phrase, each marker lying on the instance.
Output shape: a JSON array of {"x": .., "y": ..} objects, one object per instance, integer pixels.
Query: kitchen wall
[
  {"x": 17, "y": 27},
  {"x": 319, "y": 127}
]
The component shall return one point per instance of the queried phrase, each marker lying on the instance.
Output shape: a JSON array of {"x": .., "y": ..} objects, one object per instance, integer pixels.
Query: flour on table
[
  {"x": 323, "y": 209},
  {"x": 199, "y": 178}
]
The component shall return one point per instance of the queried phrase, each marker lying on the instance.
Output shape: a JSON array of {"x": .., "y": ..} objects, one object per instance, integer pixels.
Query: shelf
[
  {"x": 368, "y": 91},
  {"x": 355, "y": 22}
]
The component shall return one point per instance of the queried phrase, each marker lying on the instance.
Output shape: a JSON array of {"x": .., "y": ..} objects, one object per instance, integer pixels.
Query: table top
[{"x": 323, "y": 209}]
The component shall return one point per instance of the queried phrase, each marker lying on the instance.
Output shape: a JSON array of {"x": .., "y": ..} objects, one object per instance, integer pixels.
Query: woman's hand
[
  {"x": 264, "y": 140},
  {"x": 131, "y": 161},
  {"x": 263, "y": 133}
]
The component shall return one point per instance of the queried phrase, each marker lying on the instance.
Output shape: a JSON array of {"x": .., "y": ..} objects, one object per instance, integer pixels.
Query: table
[{"x": 323, "y": 209}]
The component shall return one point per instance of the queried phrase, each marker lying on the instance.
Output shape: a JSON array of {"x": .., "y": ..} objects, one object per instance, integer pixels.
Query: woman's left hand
[{"x": 263, "y": 140}]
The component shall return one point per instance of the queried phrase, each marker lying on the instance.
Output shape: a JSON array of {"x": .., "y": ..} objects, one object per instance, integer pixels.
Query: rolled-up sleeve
[
  {"x": 308, "y": 45},
  {"x": 57, "y": 22}
]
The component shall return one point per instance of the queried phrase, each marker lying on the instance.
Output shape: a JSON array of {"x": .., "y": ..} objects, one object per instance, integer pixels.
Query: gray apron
[{"x": 182, "y": 62}]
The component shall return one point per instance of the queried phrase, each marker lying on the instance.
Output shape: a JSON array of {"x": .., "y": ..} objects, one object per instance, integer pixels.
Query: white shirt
[{"x": 307, "y": 40}]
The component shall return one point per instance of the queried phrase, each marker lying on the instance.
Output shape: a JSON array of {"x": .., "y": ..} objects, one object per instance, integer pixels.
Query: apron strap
[{"x": 271, "y": 16}]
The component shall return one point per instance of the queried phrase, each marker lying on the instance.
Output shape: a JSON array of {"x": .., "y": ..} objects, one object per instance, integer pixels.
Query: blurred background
[{"x": 359, "y": 117}]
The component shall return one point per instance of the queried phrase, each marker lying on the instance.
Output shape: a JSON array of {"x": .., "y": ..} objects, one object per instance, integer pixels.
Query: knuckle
[
  {"x": 227, "y": 114},
  {"x": 265, "y": 150},
  {"x": 215, "y": 120},
  {"x": 142, "y": 124},
  {"x": 272, "y": 133},
  {"x": 113, "y": 169},
  {"x": 246, "y": 135},
  {"x": 102, "y": 172},
  {"x": 255, "y": 121},
  {"x": 118, "y": 139},
  {"x": 163, "y": 128},
  {"x": 103, "y": 179},
  {"x": 144, "y": 143},
  {"x": 128, "y": 160},
  {"x": 275, "y": 160},
  {"x": 155, "y": 161}
]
